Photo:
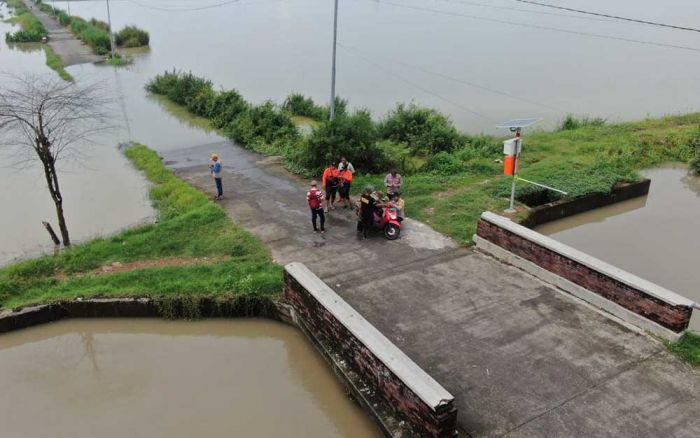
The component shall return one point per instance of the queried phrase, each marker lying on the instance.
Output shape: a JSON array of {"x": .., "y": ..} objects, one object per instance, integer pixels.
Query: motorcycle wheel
[{"x": 392, "y": 232}]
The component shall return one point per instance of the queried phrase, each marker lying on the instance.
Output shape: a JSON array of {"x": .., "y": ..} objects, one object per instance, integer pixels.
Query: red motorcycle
[{"x": 389, "y": 222}]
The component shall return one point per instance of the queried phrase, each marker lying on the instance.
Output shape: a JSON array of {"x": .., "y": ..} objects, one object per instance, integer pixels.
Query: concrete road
[
  {"x": 70, "y": 49},
  {"x": 520, "y": 357}
]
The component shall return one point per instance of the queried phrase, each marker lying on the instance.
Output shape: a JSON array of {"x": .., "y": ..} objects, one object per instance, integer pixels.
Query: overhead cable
[
  {"x": 536, "y": 26},
  {"x": 413, "y": 84},
  {"x": 616, "y": 17}
]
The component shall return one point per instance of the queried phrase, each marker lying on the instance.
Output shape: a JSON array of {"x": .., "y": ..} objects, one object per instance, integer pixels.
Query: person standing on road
[
  {"x": 330, "y": 183},
  {"x": 345, "y": 176},
  {"x": 314, "y": 197},
  {"x": 393, "y": 182},
  {"x": 367, "y": 205},
  {"x": 345, "y": 164},
  {"x": 215, "y": 169}
]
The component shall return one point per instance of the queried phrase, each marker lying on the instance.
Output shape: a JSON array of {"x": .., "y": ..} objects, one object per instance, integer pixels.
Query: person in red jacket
[{"x": 314, "y": 197}]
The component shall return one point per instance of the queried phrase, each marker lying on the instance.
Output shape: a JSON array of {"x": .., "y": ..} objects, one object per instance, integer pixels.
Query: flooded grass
[
  {"x": 55, "y": 63},
  {"x": 189, "y": 225}
]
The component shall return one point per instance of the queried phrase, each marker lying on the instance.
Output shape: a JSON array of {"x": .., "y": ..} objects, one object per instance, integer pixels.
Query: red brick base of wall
[
  {"x": 324, "y": 326},
  {"x": 675, "y": 318}
]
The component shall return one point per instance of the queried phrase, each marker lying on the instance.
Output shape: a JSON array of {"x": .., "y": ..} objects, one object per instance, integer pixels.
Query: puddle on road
[
  {"x": 155, "y": 378},
  {"x": 653, "y": 237}
]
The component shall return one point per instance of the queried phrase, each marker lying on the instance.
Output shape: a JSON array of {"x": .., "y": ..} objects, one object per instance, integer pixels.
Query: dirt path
[
  {"x": 71, "y": 50},
  {"x": 521, "y": 358}
]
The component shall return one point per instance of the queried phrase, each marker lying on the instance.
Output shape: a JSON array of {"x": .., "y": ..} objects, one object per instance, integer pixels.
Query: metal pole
[
  {"x": 111, "y": 34},
  {"x": 335, "y": 39},
  {"x": 68, "y": 7},
  {"x": 518, "y": 148}
]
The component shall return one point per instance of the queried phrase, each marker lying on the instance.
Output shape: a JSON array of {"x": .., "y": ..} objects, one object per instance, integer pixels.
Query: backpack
[{"x": 313, "y": 199}]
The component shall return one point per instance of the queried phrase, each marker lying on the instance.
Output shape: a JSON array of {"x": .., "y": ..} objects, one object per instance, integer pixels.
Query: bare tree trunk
[{"x": 55, "y": 191}]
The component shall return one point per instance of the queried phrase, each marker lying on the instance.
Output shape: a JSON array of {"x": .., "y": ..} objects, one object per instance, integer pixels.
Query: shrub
[
  {"x": 131, "y": 36},
  {"x": 93, "y": 35},
  {"x": 225, "y": 107},
  {"x": 198, "y": 103},
  {"x": 424, "y": 130},
  {"x": 353, "y": 136},
  {"x": 179, "y": 87},
  {"x": 299, "y": 105},
  {"x": 570, "y": 122},
  {"x": 31, "y": 30},
  {"x": 261, "y": 124}
]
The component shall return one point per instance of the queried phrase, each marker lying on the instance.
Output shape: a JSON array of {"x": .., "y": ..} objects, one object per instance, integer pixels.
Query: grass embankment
[
  {"x": 450, "y": 177},
  {"x": 189, "y": 226},
  {"x": 688, "y": 348}
]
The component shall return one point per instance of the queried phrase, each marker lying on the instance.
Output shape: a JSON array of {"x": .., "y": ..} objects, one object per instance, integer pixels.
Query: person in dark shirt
[{"x": 368, "y": 204}]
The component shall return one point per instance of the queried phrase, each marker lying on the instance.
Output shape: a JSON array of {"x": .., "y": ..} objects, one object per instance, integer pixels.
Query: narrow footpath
[
  {"x": 71, "y": 50},
  {"x": 521, "y": 358}
]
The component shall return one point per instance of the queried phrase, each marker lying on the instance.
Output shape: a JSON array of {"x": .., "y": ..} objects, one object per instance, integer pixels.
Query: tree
[{"x": 47, "y": 117}]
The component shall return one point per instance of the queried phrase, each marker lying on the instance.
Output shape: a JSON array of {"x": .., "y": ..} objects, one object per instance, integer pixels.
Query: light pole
[
  {"x": 335, "y": 39},
  {"x": 111, "y": 34},
  {"x": 514, "y": 148}
]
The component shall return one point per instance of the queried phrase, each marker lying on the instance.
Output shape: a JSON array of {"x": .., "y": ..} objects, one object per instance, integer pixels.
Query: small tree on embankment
[{"x": 45, "y": 118}]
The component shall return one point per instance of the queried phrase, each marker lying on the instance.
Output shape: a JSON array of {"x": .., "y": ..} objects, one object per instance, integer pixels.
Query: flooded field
[
  {"x": 653, "y": 237},
  {"x": 154, "y": 378},
  {"x": 467, "y": 59}
]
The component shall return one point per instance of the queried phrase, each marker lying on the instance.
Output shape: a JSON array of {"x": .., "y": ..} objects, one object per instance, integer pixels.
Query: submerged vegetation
[
  {"x": 215, "y": 257},
  {"x": 450, "y": 177},
  {"x": 31, "y": 29},
  {"x": 55, "y": 63}
]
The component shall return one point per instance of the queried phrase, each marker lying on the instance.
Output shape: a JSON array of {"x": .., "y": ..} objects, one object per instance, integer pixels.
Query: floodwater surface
[
  {"x": 654, "y": 237},
  {"x": 155, "y": 378}
]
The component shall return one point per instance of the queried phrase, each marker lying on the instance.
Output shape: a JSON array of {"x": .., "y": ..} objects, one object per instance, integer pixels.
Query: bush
[
  {"x": 181, "y": 88},
  {"x": 424, "y": 130},
  {"x": 261, "y": 124},
  {"x": 131, "y": 36},
  {"x": 32, "y": 31},
  {"x": 299, "y": 105},
  {"x": 91, "y": 34},
  {"x": 354, "y": 136},
  {"x": 225, "y": 107}
]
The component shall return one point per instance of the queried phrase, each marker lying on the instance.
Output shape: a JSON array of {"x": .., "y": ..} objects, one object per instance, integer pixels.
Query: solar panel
[{"x": 518, "y": 123}]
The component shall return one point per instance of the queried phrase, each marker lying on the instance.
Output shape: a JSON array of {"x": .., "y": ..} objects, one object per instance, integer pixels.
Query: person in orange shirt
[
  {"x": 345, "y": 182},
  {"x": 331, "y": 183}
]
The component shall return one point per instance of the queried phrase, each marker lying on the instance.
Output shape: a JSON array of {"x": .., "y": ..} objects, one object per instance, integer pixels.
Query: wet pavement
[
  {"x": 70, "y": 49},
  {"x": 520, "y": 358}
]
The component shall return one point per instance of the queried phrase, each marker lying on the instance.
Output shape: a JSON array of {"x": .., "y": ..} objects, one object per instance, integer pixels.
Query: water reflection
[
  {"x": 657, "y": 242},
  {"x": 114, "y": 378}
]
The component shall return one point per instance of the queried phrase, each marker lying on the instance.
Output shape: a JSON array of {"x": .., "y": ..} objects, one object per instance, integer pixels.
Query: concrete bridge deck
[
  {"x": 71, "y": 50},
  {"x": 520, "y": 357}
]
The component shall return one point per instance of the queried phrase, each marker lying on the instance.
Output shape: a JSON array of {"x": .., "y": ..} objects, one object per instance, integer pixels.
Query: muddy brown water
[
  {"x": 652, "y": 236},
  {"x": 155, "y": 378}
]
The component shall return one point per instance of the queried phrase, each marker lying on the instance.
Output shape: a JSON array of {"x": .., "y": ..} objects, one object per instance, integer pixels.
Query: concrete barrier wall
[
  {"x": 632, "y": 296},
  {"x": 344, "y": 336}
]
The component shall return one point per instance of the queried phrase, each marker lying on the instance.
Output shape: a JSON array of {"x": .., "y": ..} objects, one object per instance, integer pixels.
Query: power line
[
  {"x": 413, "y": 84},
  {"x": 616, "y": 17},
  {"x": 465, "y": 82},
  {"x": 529, "y": 11},
  {"x": 185, "y": 9},
  {"x": 536, "y": 26}
]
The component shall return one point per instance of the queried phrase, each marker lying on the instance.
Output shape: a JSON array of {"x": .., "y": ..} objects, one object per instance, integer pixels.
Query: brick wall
[
  {"x": 673, "y": 317},
  {"x": 429, "y": 421}
]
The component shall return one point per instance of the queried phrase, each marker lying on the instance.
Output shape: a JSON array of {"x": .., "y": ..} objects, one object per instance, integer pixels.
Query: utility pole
[
  {"x": 68, "y": 7},
  {"x": 111, "y": 33},
  {"x": 335, "y": 39}
]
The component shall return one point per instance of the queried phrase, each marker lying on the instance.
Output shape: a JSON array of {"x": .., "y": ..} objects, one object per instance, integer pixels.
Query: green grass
[
  {"x": 117, "y": 60},
  {"x": 688, "y": 348},
  {"x": 55, "y": 63},
  {"x": 188, "y": 225},
  {"x": 31, "y": 29}
]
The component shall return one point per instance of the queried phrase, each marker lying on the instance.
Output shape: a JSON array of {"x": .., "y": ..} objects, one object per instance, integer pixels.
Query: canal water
[
  {"x": 155, "y": 378},
  {"x": 654, "y": 236}
]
